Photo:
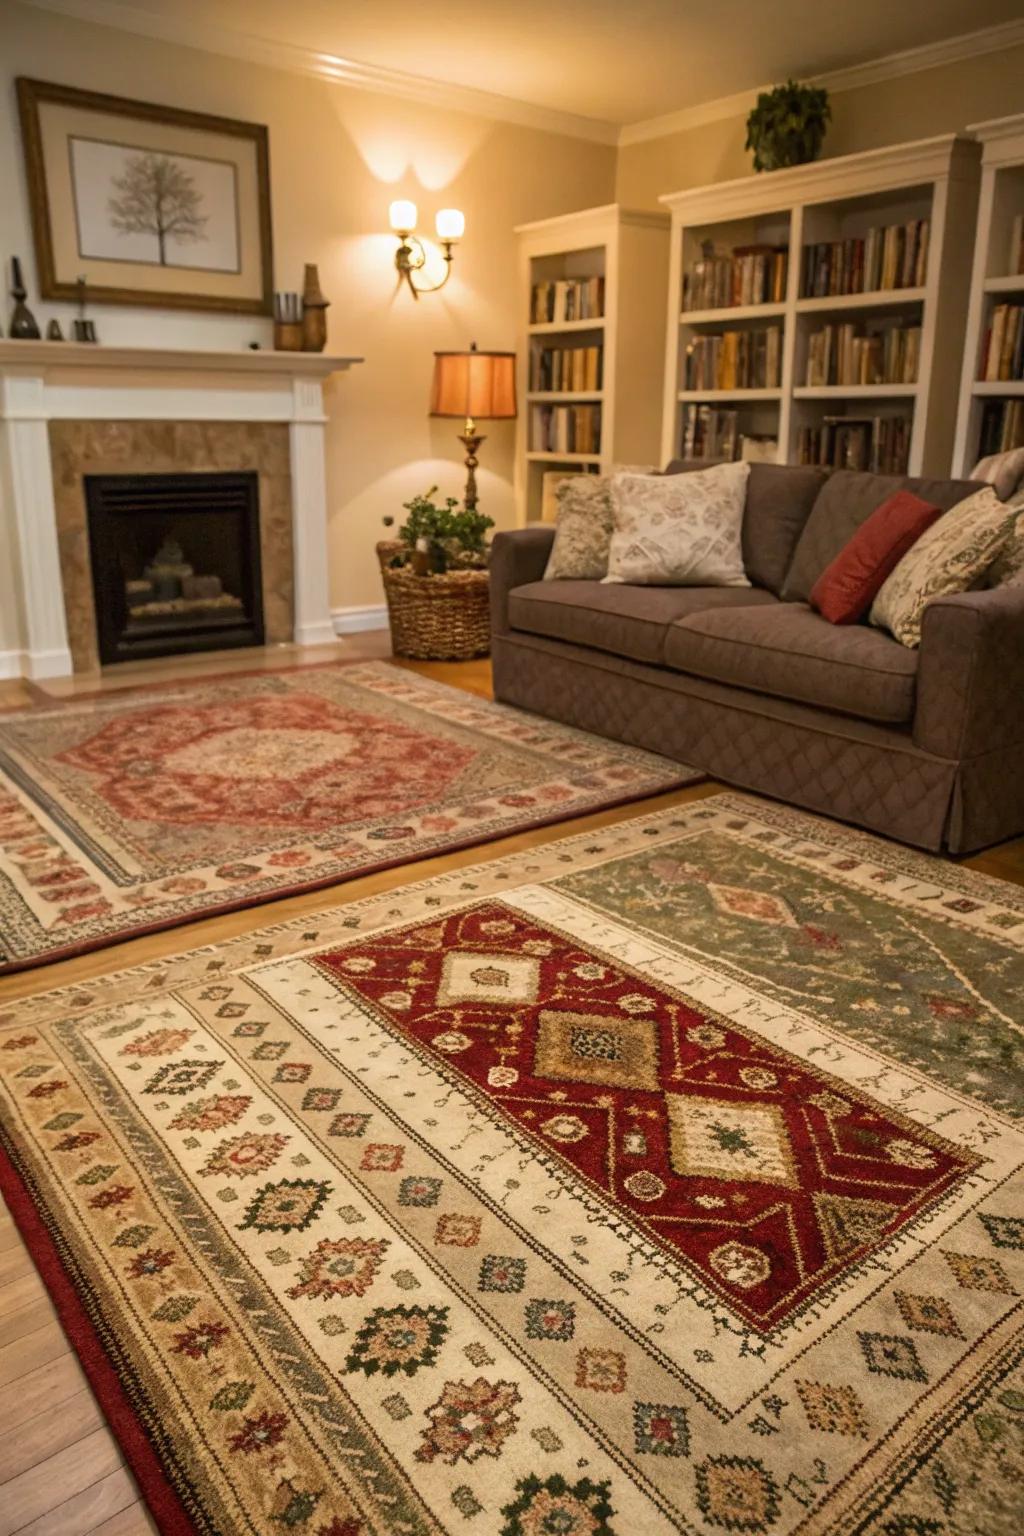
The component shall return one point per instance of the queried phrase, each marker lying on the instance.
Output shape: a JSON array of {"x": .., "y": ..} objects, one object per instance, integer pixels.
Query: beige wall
[
  {"x": 338, "y": 156},
  {"x": 912, "y": 107}
]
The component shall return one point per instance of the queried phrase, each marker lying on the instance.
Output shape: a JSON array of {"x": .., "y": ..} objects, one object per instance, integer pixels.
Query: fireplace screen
[{"x": 175, "y": 563}]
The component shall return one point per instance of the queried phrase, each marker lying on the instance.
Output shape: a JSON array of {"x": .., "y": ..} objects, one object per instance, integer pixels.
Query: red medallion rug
[
  {"x": 668, "y": 1178},
  {"x": 134, "y": 811}
]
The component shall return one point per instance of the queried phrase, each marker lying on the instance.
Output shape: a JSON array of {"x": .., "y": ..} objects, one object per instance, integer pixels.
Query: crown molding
[
  {"x": 126, "y": 17},
  {"x": 330, "y": 67},
  {"x": 891, "y": 66}
]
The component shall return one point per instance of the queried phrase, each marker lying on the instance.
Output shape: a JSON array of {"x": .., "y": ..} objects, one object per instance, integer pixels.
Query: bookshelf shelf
[
  {"x": 983, "y": 425},
  {"x": 563, "y": 458},
  {"x": 879, "y": 298},
  {"x": 554, "y": 397},
  {"x": 736, "y": 312},
  {"x": 558, "y": 327},
  {"x": 711, "y": 395},
  {"x": 835, "y": 205},
  {"x": 628, "y": 250},
  {"x": 1012, "y": 389},
  {"x": 855, "y": 391}
]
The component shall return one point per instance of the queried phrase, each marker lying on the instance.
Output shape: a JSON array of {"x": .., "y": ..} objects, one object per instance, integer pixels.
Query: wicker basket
[{"x": 435, "y": 618}]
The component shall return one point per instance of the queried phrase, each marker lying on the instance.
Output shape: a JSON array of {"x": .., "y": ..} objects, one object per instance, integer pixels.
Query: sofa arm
[
  {"x": 970, "y": 678},
  {"x": 516, "y": 558}
]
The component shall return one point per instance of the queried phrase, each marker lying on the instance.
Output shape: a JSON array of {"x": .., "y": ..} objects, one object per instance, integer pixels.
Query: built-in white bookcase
[
  {"x": 995, "y": 280},
  {"x": 832, "y": 201},
  {"x": 629, "y": 251}
]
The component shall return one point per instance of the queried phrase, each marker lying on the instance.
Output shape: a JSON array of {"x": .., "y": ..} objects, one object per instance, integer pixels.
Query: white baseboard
[
  {"x": 13, "y": 664},
  {"x": 356, "y": 620}
]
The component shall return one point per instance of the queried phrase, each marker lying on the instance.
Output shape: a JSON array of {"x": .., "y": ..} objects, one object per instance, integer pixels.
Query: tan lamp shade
[{"x": 474, "y": 385}]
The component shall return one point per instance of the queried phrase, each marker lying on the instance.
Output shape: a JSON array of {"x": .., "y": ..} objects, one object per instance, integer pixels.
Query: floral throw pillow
[
  {"x": 953, "y": 555},
  {"x": 583, "y": 530},
  {"x": 679, "y": 530}
]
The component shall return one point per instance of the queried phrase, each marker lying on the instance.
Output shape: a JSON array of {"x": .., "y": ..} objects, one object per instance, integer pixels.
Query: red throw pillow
[{"x": 846, "y": 589}]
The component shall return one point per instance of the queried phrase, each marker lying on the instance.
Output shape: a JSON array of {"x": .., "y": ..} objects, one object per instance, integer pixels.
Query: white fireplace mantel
[{"x": 43, "y": 381}]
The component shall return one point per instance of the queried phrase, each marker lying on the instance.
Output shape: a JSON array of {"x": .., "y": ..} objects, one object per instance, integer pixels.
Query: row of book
[
  {"x": 713, "y": 432},
  {"x": 1016, "y": 265},
  {"x": 735, "y": 360},
  {"x": 567, "y": 298},
  {"x": 889, "y": 256},
  {"x": 1002, "y": 427},
  {"x": 880, "y": 444},
  {"x": 843, "y": 354},
  {"x": 1003, "y": 353},
  {"x": 565, "y": 429},
  {"x": 750, "y": 274},
  {"x": 557, "y": 368}
]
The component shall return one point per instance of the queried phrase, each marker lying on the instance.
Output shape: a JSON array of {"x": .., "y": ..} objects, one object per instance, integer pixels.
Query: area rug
[
  {"x": 128, "y": 812},
  {"x": 662, "y": 1179}
]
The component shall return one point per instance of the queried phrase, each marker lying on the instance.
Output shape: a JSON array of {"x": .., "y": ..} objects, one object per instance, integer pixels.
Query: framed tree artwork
[{"x": 134, "y": 203}]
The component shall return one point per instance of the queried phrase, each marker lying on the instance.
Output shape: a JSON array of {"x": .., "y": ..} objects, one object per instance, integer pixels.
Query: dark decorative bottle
[{"x": 23, "y": 324}]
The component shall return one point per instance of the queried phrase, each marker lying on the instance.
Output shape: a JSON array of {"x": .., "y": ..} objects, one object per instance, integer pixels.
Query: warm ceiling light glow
[
  {"x": 403, "y": 216},
  {"x": 451, "y": 224}
]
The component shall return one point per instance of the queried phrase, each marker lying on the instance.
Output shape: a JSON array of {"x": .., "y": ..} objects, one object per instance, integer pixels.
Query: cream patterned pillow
[
  {"x": 951, "y": 556},
  {"x": 679, "y": 530},
  {"x": 1007, "y": 569},
  {"x": 583, "y": 530}
]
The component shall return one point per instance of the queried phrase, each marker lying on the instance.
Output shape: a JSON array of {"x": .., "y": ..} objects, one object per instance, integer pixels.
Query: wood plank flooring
[{"x": 61, "y": 1472}]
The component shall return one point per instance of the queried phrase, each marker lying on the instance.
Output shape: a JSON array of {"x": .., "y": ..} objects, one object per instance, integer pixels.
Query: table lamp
[{"x": 474, "y": 386}]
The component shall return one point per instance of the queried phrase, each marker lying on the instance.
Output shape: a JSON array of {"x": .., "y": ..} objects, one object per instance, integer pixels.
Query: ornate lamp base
[{"x": 471, "y": 440}]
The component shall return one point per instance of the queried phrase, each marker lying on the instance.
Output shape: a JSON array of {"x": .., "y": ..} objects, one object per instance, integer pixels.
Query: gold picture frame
[{"x": 150, "y": 205}]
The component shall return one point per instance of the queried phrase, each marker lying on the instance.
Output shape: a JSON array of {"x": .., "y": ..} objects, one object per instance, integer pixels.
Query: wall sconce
[{"x": 410, "y": 256}]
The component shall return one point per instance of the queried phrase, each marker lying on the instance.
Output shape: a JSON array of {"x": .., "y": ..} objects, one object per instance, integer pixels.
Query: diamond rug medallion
[
  {"x": 140, "y": 810},
  {"x": 559, "y": 1196}
]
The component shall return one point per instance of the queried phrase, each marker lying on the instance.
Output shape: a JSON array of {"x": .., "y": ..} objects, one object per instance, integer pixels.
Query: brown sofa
[{"x": 757, "y": 689}]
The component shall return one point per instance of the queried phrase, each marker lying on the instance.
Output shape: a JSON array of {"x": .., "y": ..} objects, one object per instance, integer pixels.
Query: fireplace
[{"x": 175, "y": 563}]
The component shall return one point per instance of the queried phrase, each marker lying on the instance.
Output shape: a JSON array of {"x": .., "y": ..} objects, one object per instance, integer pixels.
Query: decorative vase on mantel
[{"x": 314, "y": 311}]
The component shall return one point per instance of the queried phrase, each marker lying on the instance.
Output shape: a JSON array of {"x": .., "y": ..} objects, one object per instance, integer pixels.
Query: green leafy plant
[
  {"x": 455, "y": 535},
  {"x": 787, "y": 127}
]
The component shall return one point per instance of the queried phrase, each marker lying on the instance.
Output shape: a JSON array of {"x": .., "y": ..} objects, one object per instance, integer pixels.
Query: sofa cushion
[
  {"x": 844, "y": 591},
  {"x": 790, "y": 652},
  {"x": 628, "y": 621},
  {"x": 779, "y": 502},
  {"x": 846, "y": 500}
]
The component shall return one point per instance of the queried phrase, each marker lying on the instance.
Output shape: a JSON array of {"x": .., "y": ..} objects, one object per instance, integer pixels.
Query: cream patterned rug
[
  {"x": 663, "y": 1179},
  {"x": 142, "y": 809}
]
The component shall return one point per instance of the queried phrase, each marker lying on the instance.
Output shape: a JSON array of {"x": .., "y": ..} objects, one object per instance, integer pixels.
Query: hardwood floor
[{"x": 61, "y": 1472}]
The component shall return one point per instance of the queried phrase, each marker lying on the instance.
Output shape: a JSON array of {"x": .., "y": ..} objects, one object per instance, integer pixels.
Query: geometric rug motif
[
  {"x": 148, "y": 807},
  {"x": 326, "y": 1276},
  {"x": 762, "y": 1175}
]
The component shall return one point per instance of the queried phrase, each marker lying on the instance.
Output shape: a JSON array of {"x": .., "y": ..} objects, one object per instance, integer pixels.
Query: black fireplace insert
[{"x": 175, "y": 563}]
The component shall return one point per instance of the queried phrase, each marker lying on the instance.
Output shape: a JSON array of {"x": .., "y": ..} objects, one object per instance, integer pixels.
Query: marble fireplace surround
[
  {"x": 68, "y": 410},
  {"x": 80, "y": 448}
]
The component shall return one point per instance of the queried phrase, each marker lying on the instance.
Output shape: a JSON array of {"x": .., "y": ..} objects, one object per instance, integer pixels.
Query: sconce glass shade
[
  {"x": 403, "y": 216},
  {"x": 481, "y": 385},
  {"x": 450, "y": 224}
]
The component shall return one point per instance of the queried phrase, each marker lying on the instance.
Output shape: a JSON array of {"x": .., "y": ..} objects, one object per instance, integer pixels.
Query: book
[
  {"x": 847, "y": 354},
  {"x": 747, "y": 275},
  {"x": 886, "y": 257},
  {"x": 558, "y": 369},
  {"x": 561, "y": 300},
  {"x": 880, "y": 444},
  {"x": 738, "y": 359}
]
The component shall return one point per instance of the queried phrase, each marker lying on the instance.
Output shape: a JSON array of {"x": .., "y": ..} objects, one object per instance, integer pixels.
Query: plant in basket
[
  {"x": 451, "y": 537},
  {"x": 435, "y": 580}
]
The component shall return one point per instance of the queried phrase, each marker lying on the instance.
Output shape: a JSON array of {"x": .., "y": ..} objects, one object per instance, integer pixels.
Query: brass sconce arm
[{"x": 411, "y": 257}]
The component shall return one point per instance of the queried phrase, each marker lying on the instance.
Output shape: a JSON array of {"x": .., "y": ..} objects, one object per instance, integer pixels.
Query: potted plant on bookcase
[
  {"x": 435, "y": 581},
  {"x": 787, "y": 126}
]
